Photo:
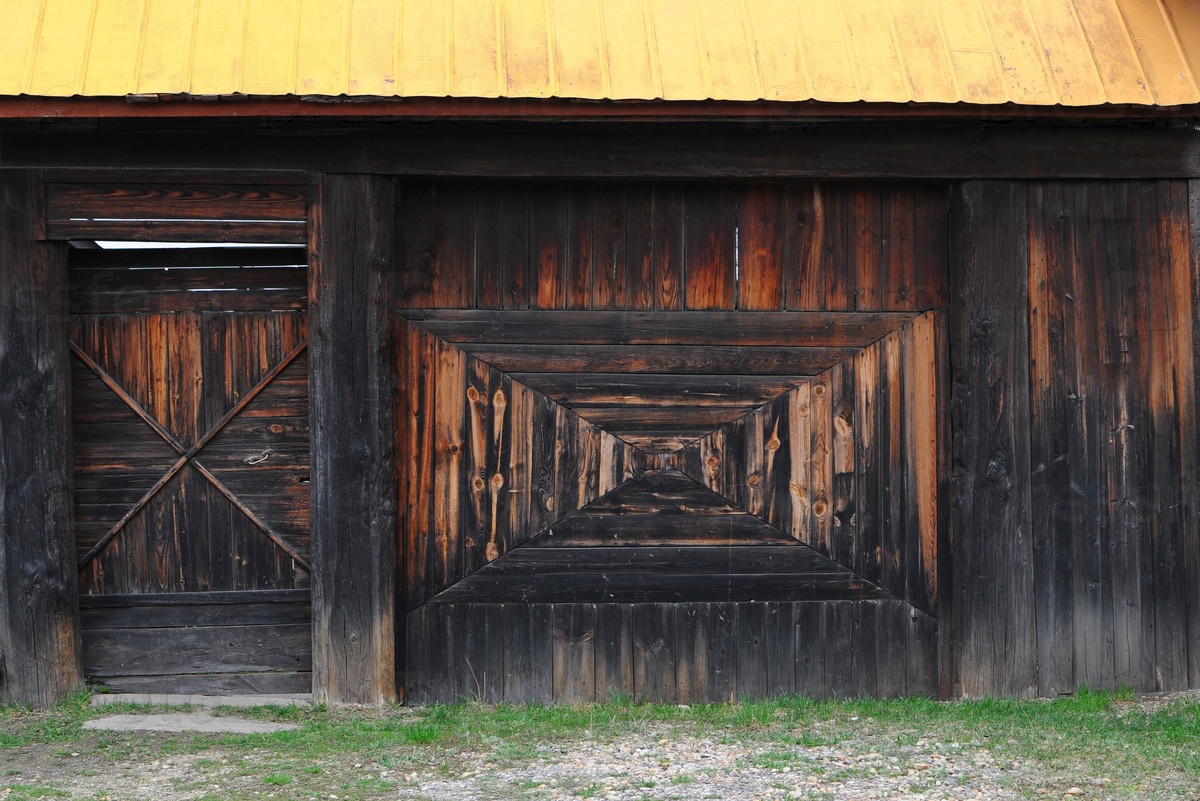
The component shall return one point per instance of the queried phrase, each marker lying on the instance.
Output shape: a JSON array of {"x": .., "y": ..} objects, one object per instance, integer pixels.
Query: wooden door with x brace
[{"x": 191, "y": 471}]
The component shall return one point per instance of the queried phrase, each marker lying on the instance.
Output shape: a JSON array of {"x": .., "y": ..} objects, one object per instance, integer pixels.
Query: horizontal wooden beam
[{"x": 941, "y": 150}]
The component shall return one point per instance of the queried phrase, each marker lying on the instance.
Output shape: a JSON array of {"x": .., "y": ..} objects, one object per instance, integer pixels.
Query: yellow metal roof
[{"x": 1032, "y": 52}]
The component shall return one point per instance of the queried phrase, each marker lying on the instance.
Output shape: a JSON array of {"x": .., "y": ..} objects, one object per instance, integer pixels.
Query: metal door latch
[{"x": 259, "y": 458}]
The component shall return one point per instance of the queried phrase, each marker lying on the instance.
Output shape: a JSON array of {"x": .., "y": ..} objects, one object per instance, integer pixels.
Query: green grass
[{"x": 367, "y": 754}]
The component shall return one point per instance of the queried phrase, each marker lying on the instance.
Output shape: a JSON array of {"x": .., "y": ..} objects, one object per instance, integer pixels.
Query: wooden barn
[{"x": 546, "y": 350}]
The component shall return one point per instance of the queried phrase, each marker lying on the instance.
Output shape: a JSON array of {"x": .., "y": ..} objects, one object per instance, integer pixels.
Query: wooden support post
[
  {"x": 353, "y": 495},
  {"x": 39, "y": 604},
  {"x": 992, "y": 616}
]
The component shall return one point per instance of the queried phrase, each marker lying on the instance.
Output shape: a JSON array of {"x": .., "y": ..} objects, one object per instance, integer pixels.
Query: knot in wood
[
  {"x": 497, "y": 482},
  {"x": 819, "y": 390},
  {"x": 478, "y": 484},
  {"x": 753, "y": 481}
]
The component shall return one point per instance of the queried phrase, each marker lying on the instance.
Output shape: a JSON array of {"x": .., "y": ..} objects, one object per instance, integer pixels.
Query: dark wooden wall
[
  {"x": 654, "y": 437},
  {"x": 1076, "y": 553},
  {"x": 39, "y": 640}
]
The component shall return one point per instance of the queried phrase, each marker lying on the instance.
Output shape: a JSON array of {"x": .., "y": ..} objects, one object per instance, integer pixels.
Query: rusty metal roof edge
[{"x": 141, "y": 106}]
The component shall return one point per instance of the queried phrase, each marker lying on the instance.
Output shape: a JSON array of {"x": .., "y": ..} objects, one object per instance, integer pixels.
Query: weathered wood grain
[
  {"x": 39, "y": 634},
  {"x": 353, "y": 508}
]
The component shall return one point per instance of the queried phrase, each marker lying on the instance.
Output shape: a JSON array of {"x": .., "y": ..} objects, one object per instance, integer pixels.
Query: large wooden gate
[
  {"x": 680, "y": 442},
  {"x": 189, "y": 382},
  {"x": 190, "y": 427}
]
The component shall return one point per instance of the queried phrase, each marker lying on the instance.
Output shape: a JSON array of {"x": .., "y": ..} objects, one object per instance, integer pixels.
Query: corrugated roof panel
[
  {"x": 725, "y": 47},
  {"x": 527, "y": 54},
  {"x": 1157, "y": 50},
  {"x": 919, "y": 37},
  {"x": 166, "y": 44},
  {"x": 115, "y": 36},
  {"x": 424, "y": 50},
  {"x": 269, "y": 56},
  {"x": 321, "y": 57},
  {"x": 476, "y": 39},
  {"x": 631, "y": 45},
  {"x": 1072, "y": 69},
  {"x": 1019, "y": 54},
  {"x": 828, "y": 54},
  {"x": 878, "y": 63},
  {"x": 17, "y": 37},
  {"x": 62, "y": 37},
  {"x": 579, "y": 64},
  {"x": 1113, "y": 52},
  {"x": 972, "y": 58},
  {"x": 684, "y": 69},
  {"x": 778, "y": 53},
  {"x": 371, "y": 61},
  {"x": 217, "y": 53},
  {"x": 1036, "y": 52}
]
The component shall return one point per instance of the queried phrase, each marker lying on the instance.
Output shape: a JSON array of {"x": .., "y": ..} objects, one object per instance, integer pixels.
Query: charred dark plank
[
  {"x": 995, "y": 624},
  {"x": 651, "y": 560},
  {"x": 264, "y": 232},
  {"x": 790, "y": 329},
  {"x": 67, "y": 201},
  {"x": 38, "y": 603},
  {"x": 761, "y": 224},
  {"x": 206, "y": 649},
  {"x": 92, "y": 266},
  {"x": 614, "y": 651},
  {"x": 585, "y": 586},
  {"x": 261, "y": 607},
  {"x": 626, "y": 390},
  {"x": 668, "y": 359},
  {"x": 654, "y": 650},
  {"x": 293, "y": 682},
  {"x": 751, "y": 648},
  {"x": 528, "y": 652},
  {"x": 573, "y": 652},
  {"x": 709, "y": 258},
  {"x": 353, "y": 505}
]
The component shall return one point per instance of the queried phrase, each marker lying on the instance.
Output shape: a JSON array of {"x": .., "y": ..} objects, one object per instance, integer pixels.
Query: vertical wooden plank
[
  {"x": 479, "y": 652},
  {"x": 353, "y": 508},
  {"x": 489, "y": 246},
  {"x": 654, "y": 652},
  {"x": 891, "y": 648},
  {"x": 1170, "y": 393},
  {"x": 866, "y": 647},
  {"x": 692, "y": 652},
  {"x": 931, "y": 251},
  {"x": 709, "y": 243},
  {"x": 841, "y": 274},
  {"x": 820, "y": 473},
  {"x": 419, "y": 476},
  {"x": 419, "y": 641},
  {"x": 441, "y": 638},
  {"x": 900, "y": 257},
  {"x": 435, "y": 248},
  {"x": 518, "y": 476},
  {"x": 668, "y": 246},
  {"x": 799, "y": 409},
  {"x": 994, "y": 633},
  {"x": 543, "y": 501},
  {"x": 638, "y": 288},
  {"x": 548, "y": 231},
  {"x": 921, "y": 654},
  {"x": 609, "y": 249},
  {"x": 867, "y": 467},
  {"x": 1054, "y": 406},
  {"x": 844, "y": 535},
  {"x": 811, "y": 619},
  {"x": 804, "y": 247},
  {"x": 527, "y": 653},
  {"x": 478, "y": 465},
  {"x": 721, "y": 681},
  {"x": 445, "y": 547},
  {"x": 927, "y": 407},
  {"x": 753, "y": 651},
  {"x": 776, "y": 441},
  {"x": 1190, "y": 444},
  {"x": 840, "y": 642},
  {"x": 39, "y": 606},
  {"x": 577, "y": 268},
  {"x": 574, "y": 653},
  {"x": 779, "y": 634},
  {"x": 866, "y": 245},
  {"x": 614, "y": 651},
  {"x": 761, "y": 224}
]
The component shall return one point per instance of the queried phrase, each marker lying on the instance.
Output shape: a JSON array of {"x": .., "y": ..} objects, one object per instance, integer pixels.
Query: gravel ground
[{"x": 655, "y": 762}]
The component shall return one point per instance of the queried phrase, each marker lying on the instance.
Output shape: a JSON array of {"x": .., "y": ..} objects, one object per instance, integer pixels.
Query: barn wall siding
[
  {"x": 582, "y": 515},
  {"x": 39, "y": 608},
  {"x": 1075, "y": 449}
]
